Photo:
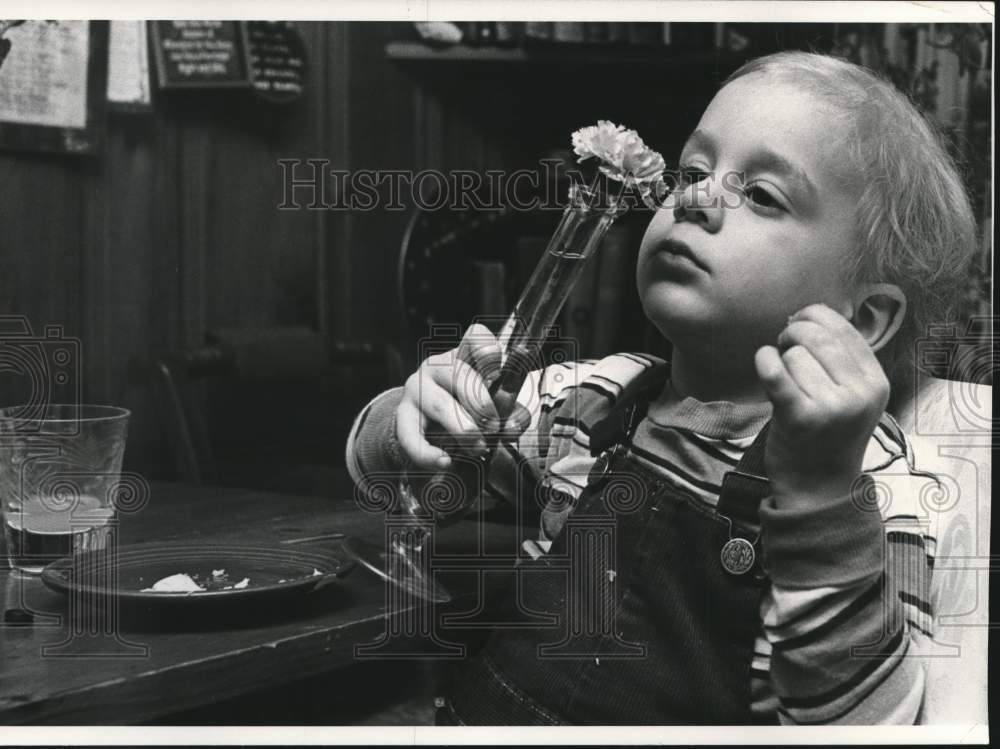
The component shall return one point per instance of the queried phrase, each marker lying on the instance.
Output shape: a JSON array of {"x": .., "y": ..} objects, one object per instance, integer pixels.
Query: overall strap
[
  {"x": 629, "y": 408},
  {"x": 744, "y": 487}
]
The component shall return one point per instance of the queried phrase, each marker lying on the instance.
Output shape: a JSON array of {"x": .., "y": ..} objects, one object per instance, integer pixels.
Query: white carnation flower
[{"x": 622, "y": 154}]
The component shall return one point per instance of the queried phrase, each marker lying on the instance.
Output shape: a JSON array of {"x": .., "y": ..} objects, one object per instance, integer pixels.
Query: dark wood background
[{"x": 174, "y": 230}]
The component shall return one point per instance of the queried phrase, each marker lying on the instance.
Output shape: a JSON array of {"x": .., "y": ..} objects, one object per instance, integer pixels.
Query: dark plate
[{"x": 275, "y": 572}]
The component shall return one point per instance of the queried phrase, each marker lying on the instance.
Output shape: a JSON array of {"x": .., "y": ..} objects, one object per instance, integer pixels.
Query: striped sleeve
[
  {"x": 554, "y": 396},
  {"x": 850, "y": 597},
  {"x": 564, "y": 400},
  {"x": 371, "y": 444},
  {"x": 567, "y": 458}
]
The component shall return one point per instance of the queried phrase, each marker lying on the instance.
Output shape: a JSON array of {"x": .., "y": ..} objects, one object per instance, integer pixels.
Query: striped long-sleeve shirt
[{"x": 849, "y": 606}]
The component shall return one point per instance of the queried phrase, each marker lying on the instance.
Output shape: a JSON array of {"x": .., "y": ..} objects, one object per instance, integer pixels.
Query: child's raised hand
[
  {"x": 828, "y": 392},
  {"x": 446, "y": 405}
]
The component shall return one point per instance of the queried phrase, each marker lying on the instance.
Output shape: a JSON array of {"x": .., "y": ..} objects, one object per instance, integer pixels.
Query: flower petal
[{"x": 623, "y": 154}]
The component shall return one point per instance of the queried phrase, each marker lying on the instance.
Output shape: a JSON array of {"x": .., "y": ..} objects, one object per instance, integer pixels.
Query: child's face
[{"x": 762, "y": 246}]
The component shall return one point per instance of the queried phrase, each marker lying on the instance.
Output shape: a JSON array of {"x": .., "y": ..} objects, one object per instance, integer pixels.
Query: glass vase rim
[
  {"x": 584, "y": 198},
  {"x": 51, "y": 413}
]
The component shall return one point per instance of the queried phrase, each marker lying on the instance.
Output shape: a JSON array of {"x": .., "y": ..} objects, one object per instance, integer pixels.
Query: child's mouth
[{"x": 678, "y": 253}]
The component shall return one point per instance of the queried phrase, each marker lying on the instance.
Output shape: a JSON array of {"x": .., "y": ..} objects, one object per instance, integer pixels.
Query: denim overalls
[{"x": 632, "y": 617}]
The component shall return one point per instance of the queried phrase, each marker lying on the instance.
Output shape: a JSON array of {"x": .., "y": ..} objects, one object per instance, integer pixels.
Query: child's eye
[
  {"x": 761, "y": 197},
  {"x": 691, "y": 174}
]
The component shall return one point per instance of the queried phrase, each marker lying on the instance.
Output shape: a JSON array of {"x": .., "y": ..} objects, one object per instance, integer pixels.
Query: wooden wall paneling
[
  {"x": 165, "y": 217},
  {"x": 247, "y": 263},
  {"x": 132, "y": 284},
  {"x": 317, "y": 38},
  {"x": 145, "y": 220},
  {"x": 428, "y": 143},
  {"x": 97, "y": 280},
  {"x": 296, "y": 261},
  {"x": 380, "y": 106},
  {"x": 162, "y": 219},
  {"x": 333, "y": 66},
  {"x": 141, "y": 230},
  {"x": 194, "y": 190},
  {"x": 172, "y": 229},
  {"x": 42, "y": 199},
  {"x": 289, "y": 257},
  {"x": 238, "y": 246}
]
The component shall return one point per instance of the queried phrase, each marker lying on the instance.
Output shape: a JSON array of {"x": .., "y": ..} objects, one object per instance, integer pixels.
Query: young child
[{"x": 770, "y": 560}]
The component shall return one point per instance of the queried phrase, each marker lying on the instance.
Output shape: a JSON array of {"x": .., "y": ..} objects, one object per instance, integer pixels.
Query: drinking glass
[{"x": 60, "y": 466}]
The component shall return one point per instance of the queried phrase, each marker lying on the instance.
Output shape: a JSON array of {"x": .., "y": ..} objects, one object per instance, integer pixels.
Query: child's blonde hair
[{"x": 915, "y": 226}]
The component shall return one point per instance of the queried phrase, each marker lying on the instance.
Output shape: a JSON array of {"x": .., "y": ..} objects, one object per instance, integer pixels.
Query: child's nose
[{"x": 700, "y": 203}]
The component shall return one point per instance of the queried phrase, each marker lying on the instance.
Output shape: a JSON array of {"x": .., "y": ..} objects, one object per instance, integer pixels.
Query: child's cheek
[{"x": 657, "y": 231}]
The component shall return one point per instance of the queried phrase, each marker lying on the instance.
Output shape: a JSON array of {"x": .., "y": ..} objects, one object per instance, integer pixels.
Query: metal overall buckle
[
  {"x": 739, "y": 554},
  {"x": 607, "y": 460}
]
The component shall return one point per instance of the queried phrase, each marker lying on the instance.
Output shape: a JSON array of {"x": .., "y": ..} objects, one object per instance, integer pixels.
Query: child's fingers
[
  {"x": 410, "y": 426},
  {"x": 480, "y": 349},
  {"x": 837, "y": 360},
  {"x": 810, "y": 376},
  {"x": 852, "y": 345},
  {"x": 456, "y": 427},
  {"x": 838, "y": 326},
  {"x": 467, "y": 386},
  {"x": 824, "y": 315},
  {"x": 516, "y": 423},
  {"x": 780, "y": 386}
]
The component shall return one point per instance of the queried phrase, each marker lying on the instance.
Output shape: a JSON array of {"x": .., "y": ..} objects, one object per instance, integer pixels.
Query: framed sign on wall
[
  {"x": 53, "y": 84},
  {"x": 128, "y": 67},
  {"x": 278, "y": 60},
  {"x": 201, "y": 54}
]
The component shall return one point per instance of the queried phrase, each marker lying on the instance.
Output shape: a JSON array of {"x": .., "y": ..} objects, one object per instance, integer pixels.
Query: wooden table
[{"x": 197, "y": 665}]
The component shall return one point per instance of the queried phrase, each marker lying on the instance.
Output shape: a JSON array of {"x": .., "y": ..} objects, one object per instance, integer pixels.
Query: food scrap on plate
[{"x": 184, "y": 583}]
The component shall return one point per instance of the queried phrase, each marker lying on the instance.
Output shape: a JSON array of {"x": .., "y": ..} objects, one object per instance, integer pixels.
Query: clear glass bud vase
[
  {"x": 422, "y": 505},
  {"x": 585, "y": 221}
]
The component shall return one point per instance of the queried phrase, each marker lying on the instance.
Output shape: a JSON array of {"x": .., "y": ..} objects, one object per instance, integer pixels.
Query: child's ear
[{"x": 879, "y": 310}]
